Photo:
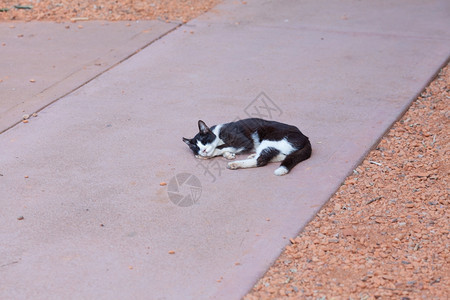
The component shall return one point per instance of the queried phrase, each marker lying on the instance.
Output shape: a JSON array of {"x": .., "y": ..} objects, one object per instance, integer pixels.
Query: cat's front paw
[
  {"x": 233, "y": 165},
  {"x": 229, "y": 155},
  {"x": 202, "y": 157}
]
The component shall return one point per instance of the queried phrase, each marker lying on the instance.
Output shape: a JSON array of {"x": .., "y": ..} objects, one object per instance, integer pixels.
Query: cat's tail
[{"x": 293, "y": 159}]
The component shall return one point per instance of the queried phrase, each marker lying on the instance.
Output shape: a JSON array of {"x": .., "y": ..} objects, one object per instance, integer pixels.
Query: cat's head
[{"x": 202, "y": 144}]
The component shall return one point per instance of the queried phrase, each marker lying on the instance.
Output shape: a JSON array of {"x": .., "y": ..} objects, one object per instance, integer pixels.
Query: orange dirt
[{"x": 111, "y": 10}]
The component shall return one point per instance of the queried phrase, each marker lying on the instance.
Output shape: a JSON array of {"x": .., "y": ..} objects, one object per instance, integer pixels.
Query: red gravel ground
[
  {"x": 385, "y": 233},
  {"x": 111, "y": 10}
]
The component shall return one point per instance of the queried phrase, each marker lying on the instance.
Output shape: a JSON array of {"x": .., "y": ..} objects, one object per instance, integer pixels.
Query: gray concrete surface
[
  {"x": 86, "y": 173},
  {"x": 43, "y": 61}
]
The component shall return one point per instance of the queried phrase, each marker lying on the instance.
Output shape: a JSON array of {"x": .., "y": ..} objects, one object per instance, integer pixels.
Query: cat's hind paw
[
  {"x": 251, "y": 156},
  {"x": 233, "y": 165},
  {"x": 229, "y": 155}
]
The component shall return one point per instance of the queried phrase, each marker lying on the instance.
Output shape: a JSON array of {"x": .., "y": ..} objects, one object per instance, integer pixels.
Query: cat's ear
[
  {"x": 202, "y": 127},
  {"x": 187, "y": 141}
]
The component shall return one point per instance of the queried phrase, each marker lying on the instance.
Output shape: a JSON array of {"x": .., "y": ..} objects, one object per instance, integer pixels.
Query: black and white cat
[{"x": 272, "y": 141}]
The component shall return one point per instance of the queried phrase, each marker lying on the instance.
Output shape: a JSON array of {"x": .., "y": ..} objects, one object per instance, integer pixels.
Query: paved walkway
[
  {"x": 85, "y": 173},
  {"x": 42, "y": 61}
]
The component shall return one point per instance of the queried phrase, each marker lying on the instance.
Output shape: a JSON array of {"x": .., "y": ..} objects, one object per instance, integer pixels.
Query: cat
[{"x": 270, "y": 140}]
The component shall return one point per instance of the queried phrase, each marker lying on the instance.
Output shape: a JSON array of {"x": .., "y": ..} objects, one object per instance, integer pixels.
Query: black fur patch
[{"x": 266, "y": 155}]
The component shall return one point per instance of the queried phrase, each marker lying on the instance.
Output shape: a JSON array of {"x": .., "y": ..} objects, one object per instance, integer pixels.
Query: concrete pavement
[
  {"x": 43, "y": 61},
  {"x": 85, "y": 174}
]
